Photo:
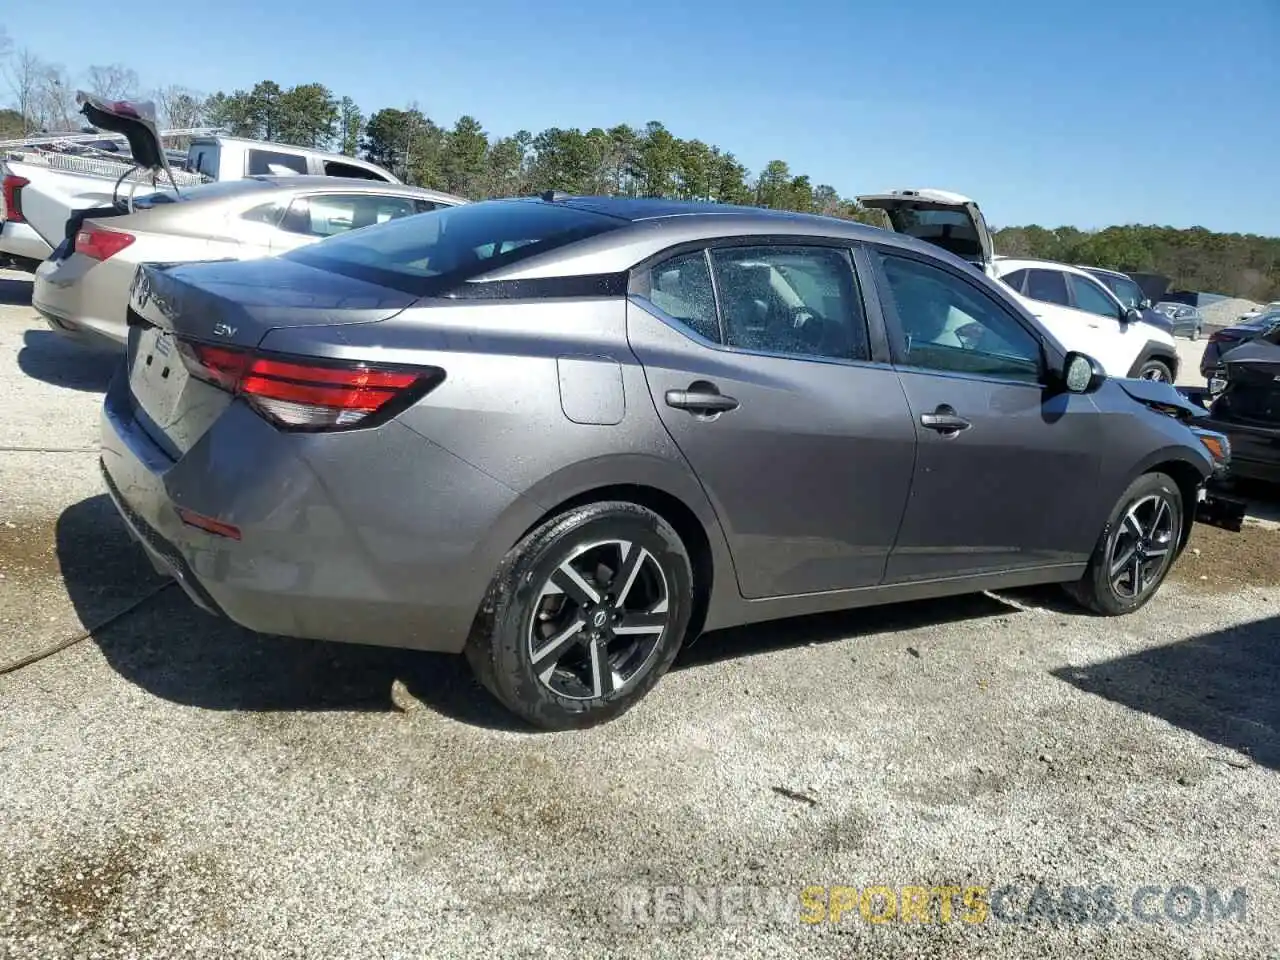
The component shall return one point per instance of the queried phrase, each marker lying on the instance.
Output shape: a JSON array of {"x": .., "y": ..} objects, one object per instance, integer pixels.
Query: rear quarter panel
[{"x": 543, "y": 396}]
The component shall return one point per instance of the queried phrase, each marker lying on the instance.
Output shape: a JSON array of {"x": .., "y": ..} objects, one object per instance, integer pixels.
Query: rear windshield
[
  {"x": 427, "y": 252},
  {"x": 204, "y": 191}
]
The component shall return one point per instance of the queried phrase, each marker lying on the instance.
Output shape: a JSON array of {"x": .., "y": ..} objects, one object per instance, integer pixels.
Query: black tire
[
  {"x": 1097, "y": 589},
  {"x": 1159, "y": 368},
  {"x": 501, "y": 648},
  {"x": 1195, "y": 333}
]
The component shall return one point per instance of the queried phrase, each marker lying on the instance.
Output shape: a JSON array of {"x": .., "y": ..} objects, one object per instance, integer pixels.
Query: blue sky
[{"x": 1087, "y": 113}]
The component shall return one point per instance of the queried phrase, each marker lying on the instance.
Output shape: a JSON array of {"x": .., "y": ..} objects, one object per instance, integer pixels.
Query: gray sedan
[
  {"x": 82, "y": 290},
  {"x": 1186, "y": 319},
  {"x": 562, "y": 435}
]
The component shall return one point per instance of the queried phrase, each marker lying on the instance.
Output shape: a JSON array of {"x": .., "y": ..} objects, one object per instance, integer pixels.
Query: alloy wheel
[
  {"x": 598, "y": 619},
  {"x": 1152, "y": 373},
  {"x": 1141, "y": 546}
]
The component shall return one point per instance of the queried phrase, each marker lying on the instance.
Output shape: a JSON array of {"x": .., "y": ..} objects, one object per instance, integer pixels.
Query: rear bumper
[
  {"x": 20, "y": 240},
  {"x": 341, "y": 539},
  {"x": 85, "y": 301}
]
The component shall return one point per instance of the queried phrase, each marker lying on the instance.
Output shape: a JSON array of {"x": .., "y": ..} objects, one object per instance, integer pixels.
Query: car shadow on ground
[
  {"x": 15, "y": 293},
  {"x": 1221, "y": 686},
  {"x": 172, "y": 649},
  {"x": 56, "y": 360}
]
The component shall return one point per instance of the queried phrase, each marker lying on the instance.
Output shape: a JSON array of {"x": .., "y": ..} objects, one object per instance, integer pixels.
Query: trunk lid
[
  {"x": 232, "y": 303},
  {"x": 947, "y": 220},
  {"x": 135, "y": 121}
]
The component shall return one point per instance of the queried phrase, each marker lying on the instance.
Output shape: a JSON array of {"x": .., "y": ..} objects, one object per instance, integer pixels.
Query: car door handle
[
  {"x": 701, "y": 397},
  {"x": 945, "y": 420}
]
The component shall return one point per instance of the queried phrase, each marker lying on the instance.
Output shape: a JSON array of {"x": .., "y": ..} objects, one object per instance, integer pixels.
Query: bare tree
[
  {"x": 55, "y": 99},
  {"x": 114, "y": 81},
  {"x": 24, "y": 72},
  {"x": 176, "y": 106}
]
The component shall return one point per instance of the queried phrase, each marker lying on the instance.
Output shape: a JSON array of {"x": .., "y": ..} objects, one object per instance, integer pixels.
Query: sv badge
[{"x": 221, "y": 329}]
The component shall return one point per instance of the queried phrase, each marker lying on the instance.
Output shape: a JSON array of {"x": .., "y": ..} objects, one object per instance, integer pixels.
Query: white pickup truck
[{"x": 42, "y": 189}]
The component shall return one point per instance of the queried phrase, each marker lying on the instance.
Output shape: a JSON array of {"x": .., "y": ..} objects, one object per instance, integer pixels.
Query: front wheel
[
  {"x": 1136, "y": 549},
  {"x": 584, "y": 615},
  {"x": 1155, "y": 370}
]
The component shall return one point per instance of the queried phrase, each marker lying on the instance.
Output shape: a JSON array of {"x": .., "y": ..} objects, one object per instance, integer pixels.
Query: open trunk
[{"x": 945, "y": 219}]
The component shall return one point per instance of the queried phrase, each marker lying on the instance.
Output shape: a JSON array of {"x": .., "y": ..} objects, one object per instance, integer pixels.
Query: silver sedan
[{"x": 82, "y": 290}]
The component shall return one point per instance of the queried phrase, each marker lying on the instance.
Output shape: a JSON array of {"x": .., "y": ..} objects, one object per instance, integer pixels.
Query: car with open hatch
[
  {"x": 565, "y": 435},
  {"x": 1071, "y": 302}
]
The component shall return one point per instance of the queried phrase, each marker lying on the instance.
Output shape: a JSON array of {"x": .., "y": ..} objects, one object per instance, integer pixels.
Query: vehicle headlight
[{"x": 1217, "y": 445}]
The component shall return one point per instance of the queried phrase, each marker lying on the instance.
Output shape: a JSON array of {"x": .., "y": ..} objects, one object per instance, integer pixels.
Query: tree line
[{"x": 650, "y": 161}]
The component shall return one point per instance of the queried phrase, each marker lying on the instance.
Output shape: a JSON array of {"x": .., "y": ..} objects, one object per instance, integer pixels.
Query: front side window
[
  {"x": 947, "y": 324},
  {"x": 1048, "y": 286},
  {"x": 1092, "y": 298},
  {"x": 793, "y": 300}
]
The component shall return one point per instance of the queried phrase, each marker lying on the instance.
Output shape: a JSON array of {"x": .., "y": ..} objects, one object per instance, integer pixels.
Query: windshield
[
  {"x": 453, "y": 242},
  {"x": 1126, "y": 291}
]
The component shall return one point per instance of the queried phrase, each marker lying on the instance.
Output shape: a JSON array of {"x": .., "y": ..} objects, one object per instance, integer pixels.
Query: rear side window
[
  {"x": 203, "y": 158},
  {"x": 798, "y": 301},
  {"x": 326, "y": 215},
  {"x": 336, "y": 168},
  {"x": 681, "y": 288},
  {"x": 1049, "y": 286},
  {"x": 1015, "y": 279},
  {"x": 428, "y": 252},
  {"x": 268, "y": 213},
  {"x": 266, "y": 162}
]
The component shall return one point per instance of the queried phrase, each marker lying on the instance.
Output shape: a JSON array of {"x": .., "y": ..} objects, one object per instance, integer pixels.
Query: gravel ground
[{"x": 177, "y": 787}]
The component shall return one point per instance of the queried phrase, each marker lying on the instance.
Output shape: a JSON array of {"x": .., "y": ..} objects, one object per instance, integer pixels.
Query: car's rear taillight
[
  {"x": 99, "y": 243},
  {"x": 301, "y": 393},
  {"x": 11, "y": 186},
  {"x": 1223, "y": 336}
]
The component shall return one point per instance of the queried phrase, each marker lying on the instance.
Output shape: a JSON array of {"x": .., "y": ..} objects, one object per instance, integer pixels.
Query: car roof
[
  {"x": 1109, "y": 273},
  {"x": 636, "y": 209},
  {"x": 1032, "y": 263},
  {"x": 653, "y": 226}
]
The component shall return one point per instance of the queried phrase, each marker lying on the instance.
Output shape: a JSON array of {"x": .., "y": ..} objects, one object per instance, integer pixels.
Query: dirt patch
[
  {"x": 28, "y": 550},
  {"x": 1217, "y": 560},
  {"x": 115, "y": 900}
]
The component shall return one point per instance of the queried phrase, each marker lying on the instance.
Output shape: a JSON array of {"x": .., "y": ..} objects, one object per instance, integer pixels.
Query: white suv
[{"x": 1078, "y": 310}]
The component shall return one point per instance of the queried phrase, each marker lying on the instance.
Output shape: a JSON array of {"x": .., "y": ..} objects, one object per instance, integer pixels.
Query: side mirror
[
  {"x": 1081, "y": 373},
  {"x": 1131, "y": 315}
]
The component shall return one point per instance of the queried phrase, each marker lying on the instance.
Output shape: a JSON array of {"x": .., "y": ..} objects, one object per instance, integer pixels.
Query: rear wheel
[
  {"x": 1135, "y": 550},
  {"x": 584, "y": 616},
  {"x": 1155, "y": 370}
]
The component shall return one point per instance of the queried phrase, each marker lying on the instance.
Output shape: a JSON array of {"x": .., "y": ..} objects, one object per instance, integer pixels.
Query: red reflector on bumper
[{"x": 208, "y": 524}]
